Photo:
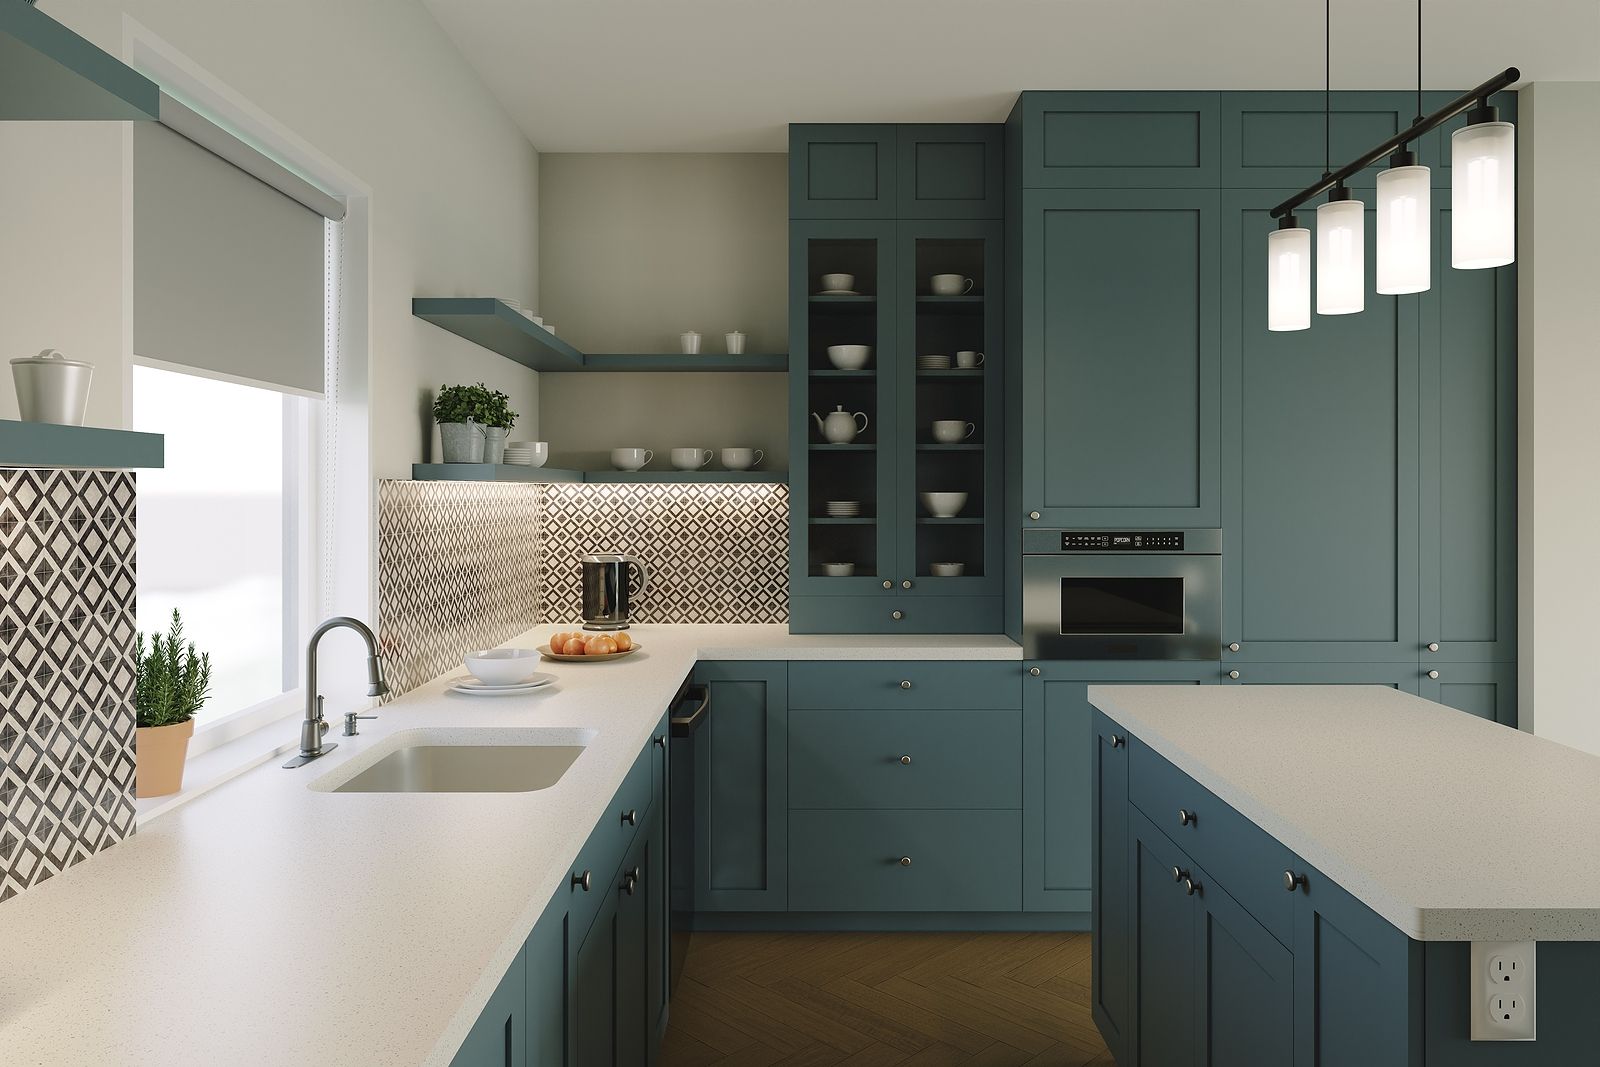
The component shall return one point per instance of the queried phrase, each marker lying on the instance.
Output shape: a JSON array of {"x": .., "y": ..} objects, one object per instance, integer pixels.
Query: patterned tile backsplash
[
  {"x": 67, "y": 590},
  {"x": 470, "y": 564}
]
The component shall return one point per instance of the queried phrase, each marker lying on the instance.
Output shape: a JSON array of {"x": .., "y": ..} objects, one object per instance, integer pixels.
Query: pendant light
[
  {"x": 1342, "y": 221},
  {"x": 1405, "y": 212},
  {"x": 1483, "y": 190},
  {"x": 1289, "y": 276}
]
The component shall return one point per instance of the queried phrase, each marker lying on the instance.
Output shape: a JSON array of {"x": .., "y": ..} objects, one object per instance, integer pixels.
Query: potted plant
[
  {"x": 462, "y": 414},
  {"x": 170, "y": 683},
  {"x": 498, "y": 420}
]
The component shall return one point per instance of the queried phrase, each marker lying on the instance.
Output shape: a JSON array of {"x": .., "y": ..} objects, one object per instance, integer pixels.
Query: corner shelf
[
  {"x": 507, "y": 472},
  {"x": 49, "y": 72},
  {"x": 43, "y": 444}
]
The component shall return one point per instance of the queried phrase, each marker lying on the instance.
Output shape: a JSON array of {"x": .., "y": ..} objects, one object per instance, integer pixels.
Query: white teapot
[{"x": 840, "y": 426}]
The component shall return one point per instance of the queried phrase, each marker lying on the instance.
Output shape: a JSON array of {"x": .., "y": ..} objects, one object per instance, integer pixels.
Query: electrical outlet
[{"x": 1503, "y": 980}]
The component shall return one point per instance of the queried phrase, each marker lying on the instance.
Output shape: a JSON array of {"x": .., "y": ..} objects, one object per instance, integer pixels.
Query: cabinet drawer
[
  {"x": 933, "y": 685},
  {"x": 1246, "y": 860},
  {"x": 905, "y": 759},
  {"x": 853, "y": 861},
  {"x": 610, "y": 839},
  {"x": 876, "y": 614}
]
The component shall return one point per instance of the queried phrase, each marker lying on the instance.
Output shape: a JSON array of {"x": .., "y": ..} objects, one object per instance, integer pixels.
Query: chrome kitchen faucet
[{"x": 314, "y": 725}]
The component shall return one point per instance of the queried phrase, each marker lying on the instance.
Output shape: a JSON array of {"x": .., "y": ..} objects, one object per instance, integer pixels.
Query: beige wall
[{"x": 1558, "y": 417}]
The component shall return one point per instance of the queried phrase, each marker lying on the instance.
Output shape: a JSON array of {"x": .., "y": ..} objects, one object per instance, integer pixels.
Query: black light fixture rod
[{"x": 1465, "y": 102}]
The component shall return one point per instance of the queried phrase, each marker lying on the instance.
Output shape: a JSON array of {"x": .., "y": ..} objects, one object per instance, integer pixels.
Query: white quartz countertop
[
  {"x": 1451, "y": 827},
  {"x": 267, "y": 922}
]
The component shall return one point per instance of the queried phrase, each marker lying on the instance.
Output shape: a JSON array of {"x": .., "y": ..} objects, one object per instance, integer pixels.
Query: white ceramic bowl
[
  {"x": 838, "y": 570},
  {"x": 838, "y": 282},
  {"x": 849, "y": 357},
  {"x": 944, "y": 505},
  {"x": 947, "y": 570},
  {"x": 502, "y": 666}
]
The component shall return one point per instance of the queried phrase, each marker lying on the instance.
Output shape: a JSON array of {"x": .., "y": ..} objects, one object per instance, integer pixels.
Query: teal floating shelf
[
  {"x": 505, "y": 472},
  {"x": 49, "y": 72},
  {"x": 43, "y": 444},
  {"x": 500, "y": 328},
  {"x": 761, "y": 363}
]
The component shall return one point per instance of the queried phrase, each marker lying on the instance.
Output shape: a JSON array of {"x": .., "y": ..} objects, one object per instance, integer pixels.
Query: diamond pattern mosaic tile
[
  {"x": 469, "y": 564},
  {"x": 66, "y": 669}
]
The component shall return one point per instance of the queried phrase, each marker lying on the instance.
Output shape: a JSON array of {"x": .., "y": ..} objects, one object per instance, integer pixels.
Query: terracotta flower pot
[{"x": 159, "y": 752}]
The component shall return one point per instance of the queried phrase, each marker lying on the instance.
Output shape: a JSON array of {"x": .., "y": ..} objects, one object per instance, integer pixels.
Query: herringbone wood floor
[{"x": 760, "y": 1000}]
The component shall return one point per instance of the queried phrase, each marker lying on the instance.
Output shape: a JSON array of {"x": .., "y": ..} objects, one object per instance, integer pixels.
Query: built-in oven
[{"x": 1122, "y": 594}]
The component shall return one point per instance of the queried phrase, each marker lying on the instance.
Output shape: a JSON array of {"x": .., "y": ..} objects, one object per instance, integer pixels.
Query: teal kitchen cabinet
[
  {"x": 1320, "y": 550},
  {"x": 842, "y": 171},
  {"x": 1487, "y": 690},
  {"x": 546, "y": 956},
  {"x": 1110, "y": 920},
  {"x": 949, "y": 171},
  {"x": 1161, "y": 959},
  {"x": 1246, "y": 982},
  {"x": 741, "y": 789},
  {"x": 592, "y": 1001},
  {"x": 1399, "y": 675},
  {"x": 1275, "y": 140},
  {"x": 500, "y": 1036},
  {"x": 1121, "y": 358},
  {"x": 641, "y": 947},
  {"x": 1119, "y": 140}
]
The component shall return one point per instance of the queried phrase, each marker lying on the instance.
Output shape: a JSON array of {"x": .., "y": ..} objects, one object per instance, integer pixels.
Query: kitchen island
[{"x": 1302, "y": 870}]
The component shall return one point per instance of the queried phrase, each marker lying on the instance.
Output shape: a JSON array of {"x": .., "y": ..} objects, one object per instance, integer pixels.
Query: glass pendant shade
[
  {"x": 1404, "y": 218},
  {"x": 1341, "y": 257},
  {"x": 1289, "y": 279},
  {"x": 1483, "y": 204}
]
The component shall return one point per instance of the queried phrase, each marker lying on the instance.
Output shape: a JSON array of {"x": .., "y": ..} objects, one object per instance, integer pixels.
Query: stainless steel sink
[{"x": 430, "y": 768}]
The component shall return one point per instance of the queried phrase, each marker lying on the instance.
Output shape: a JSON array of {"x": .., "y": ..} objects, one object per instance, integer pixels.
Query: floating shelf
[
  {"x": 506, "y": 472},
  {"x": 43, "y": 444},
  {"x": 762, "y": 363},
  {"x": 49, "y": 72}
]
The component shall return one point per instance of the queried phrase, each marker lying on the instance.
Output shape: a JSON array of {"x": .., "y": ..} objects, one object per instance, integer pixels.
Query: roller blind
[{"x": 227, "y": 271}]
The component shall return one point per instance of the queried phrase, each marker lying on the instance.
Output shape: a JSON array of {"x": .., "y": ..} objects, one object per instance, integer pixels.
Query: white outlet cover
[{"x": 1503, "y": 990}]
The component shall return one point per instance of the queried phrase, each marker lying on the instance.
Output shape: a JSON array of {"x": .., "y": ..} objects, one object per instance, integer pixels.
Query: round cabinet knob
[
  {"x": 1234, "y": 675},
  {"x": 1179, "y": 874},
  {"x": 1187, "y": 817},
  {"x": 1191, "y": 887},
  {"x": 1433, "y": 646},
  {"x": 897, "y": 615},
  {"x": 630, "y": 881},
  {"x": 905, "y": 683},
  {"x": 887, "y": 584},
  {"x": 905, "y": 861},
  {"x": 631, "y": 817},
  {"x": 1293, "y": 881},
  {"x": 906, "y": 760},
  {"x": 906, "y": 584},
  {"x": 1034, "y": 515},
  {"x": 1117, "y": 741},
  {"x": 1433, "y": 674},
  {"x": 583, "y": 881},
  {"x": 1233, "y": 646},
  {"x": 661, "y": 742},
  {"x": 1034, "y": 671}
]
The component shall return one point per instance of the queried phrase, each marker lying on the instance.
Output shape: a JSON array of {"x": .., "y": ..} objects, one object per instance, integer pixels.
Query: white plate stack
[
  {"x": 521, "y": 455},
  {"x": 933, "y": 362},
  {"x": 842, "y": 509},
  {"x": 473, "y": 687}
]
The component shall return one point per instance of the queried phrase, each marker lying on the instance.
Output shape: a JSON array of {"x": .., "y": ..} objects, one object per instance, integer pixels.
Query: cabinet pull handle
[
  {"x": 1293, "y": 881},
  {"x": 1433, "y": 674},
  {"x": 897, "y": 615},
  {"x": 583, "y": 881},
  {"x": 1117, "y": 741},
  {"x": 630, "y": 881},
  {"x": 630, "y": 817},
  {"x": 905, "y": 861},
  {"x": 1179, "y": 874},
  {"x": 1187, "y": 817},
  {"x": 1191, "y": 887},
  {"x": 906, "y": 760},
  {"x": 1034, "y": 671},
  {"x": 1234, "y": 675},
  {"x": 1433, "y": 646}
]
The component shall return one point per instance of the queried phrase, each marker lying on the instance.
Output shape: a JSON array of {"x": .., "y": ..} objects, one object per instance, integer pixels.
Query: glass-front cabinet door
[
  {"x": 948, "y": 438},
  {"x": 842, "y": 391}
]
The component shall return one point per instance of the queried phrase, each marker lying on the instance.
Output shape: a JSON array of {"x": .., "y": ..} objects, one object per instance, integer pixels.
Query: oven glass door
[
  {"x": 1104, "y": 604},
  {"x": 1146, "y": 606}
]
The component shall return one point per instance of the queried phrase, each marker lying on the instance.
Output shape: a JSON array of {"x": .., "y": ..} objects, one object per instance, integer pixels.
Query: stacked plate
[
  {"x": 471, "y": 686},
  {"x": 842, "y": 509},
  {"x": 527, "y": 453},
  {"x": 933, "y": 362}
]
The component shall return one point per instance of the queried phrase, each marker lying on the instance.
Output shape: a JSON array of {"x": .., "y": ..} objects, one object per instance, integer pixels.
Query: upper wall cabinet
[
  {"x": 1277, "y": 140},
  {"x": 915, "y": 171},
  {"x": 1120, "y": 140},
  {"x": 842, "y": 171}
]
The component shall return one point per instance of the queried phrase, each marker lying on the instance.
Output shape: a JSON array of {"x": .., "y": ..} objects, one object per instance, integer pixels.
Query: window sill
[{"x": 203, "y": 773}]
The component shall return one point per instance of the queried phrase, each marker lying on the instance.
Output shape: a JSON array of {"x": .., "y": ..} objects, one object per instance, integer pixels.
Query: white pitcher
[{"x": 840, "y": 426}]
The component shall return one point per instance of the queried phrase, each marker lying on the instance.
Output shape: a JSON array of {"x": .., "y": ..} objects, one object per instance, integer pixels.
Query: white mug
[
  {"x": 690, "y": 342},
  {"x": 968, "y": 359},
  {"x": 950, "y": 284},
  {"x": 949, "y": 431},
  {"x": 838, "y": 282},
  {"x": 735, "y": 342},
  {"x": 631, "y": 459},
  {"x": 741, "y": 459},
  {"x": 690, "y": 459}
]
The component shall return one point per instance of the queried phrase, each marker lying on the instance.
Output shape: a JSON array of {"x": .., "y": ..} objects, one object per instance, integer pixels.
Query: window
[{"x": 224, "y": 531}]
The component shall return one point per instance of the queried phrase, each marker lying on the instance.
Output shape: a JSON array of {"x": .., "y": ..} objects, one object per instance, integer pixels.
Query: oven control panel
[{"x": 1112, "y": 541}]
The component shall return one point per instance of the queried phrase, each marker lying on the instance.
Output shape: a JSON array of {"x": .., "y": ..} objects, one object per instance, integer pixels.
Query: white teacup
[
  {"x": 690, "y": 459},
  {"x": 949, "y": 431},
  {"x": 631, "y": 459},
  {"x": 690, "y": 341},
  {"x": 968, "y": 359},
  {"x": 950, "y": 284},
  {"x": 838, "y": 281},
  {"x": 741, "y": 459}
]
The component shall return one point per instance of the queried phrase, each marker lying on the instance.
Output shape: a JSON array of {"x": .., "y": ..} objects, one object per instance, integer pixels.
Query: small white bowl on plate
[{"x": 502, "y": 666}]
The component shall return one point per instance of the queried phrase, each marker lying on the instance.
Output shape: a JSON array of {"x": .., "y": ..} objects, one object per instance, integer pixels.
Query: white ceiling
[{"x": 729, "y": 75}]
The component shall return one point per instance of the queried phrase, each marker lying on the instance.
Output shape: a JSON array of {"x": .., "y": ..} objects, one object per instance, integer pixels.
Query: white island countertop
[
  {"x": 266, "y": 922},
  {"x": 1451, "y": 827}
]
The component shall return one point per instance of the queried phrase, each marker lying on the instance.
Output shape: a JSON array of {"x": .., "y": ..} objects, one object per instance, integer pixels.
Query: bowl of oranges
[{"x": 580, "y": 647}]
